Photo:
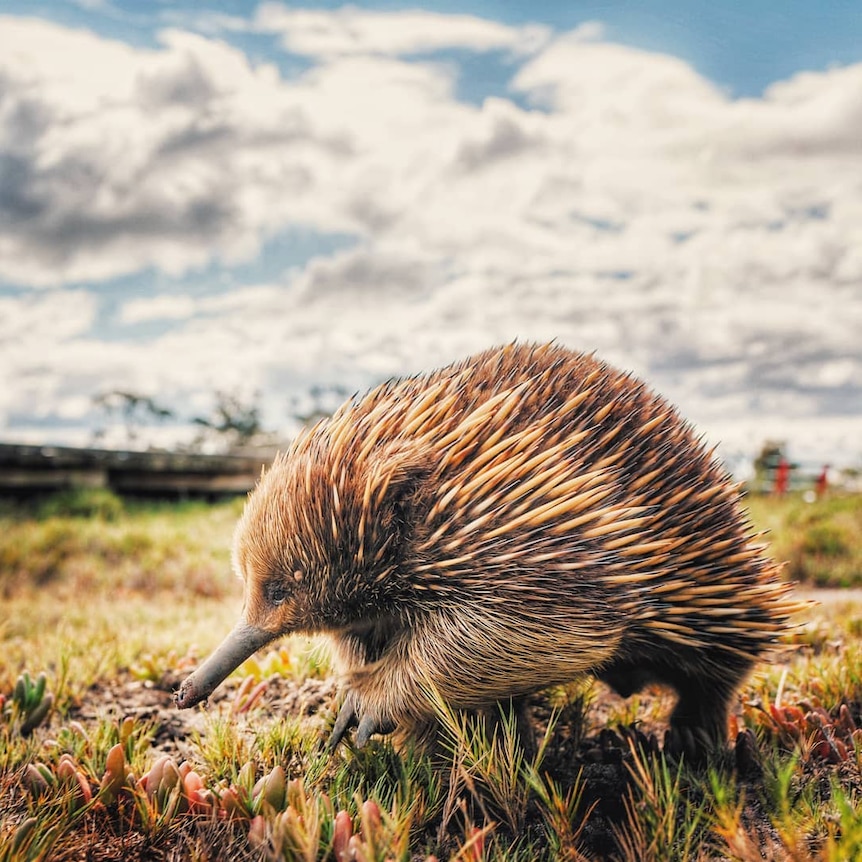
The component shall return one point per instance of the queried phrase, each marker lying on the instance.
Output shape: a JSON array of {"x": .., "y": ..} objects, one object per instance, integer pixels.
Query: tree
[
  {"x": 319, "y": 402},
  {"x": 133, "y": 409},
  {"x": 233, "y": 421}
]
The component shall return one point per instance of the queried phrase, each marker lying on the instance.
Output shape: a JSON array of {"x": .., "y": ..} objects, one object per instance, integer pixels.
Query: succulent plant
[
  {"x": 818, "y": 734},
  {"x": 29, "y": 705}
]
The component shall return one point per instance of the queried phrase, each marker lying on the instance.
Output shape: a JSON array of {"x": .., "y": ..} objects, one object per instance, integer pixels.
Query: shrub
[{"x": 83, "y": 503}]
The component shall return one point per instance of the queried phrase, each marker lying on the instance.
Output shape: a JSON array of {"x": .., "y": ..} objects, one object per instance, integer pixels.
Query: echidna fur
[{"x": 506, "y": 523}]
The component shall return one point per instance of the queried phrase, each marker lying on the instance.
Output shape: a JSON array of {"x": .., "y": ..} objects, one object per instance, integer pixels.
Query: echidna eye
[{"x": 276, "y": 593}]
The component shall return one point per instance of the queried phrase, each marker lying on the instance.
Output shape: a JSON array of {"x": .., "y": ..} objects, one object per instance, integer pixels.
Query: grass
[
  {"x": 113, "y": 602},
  {"x": 820, "y": 541}
]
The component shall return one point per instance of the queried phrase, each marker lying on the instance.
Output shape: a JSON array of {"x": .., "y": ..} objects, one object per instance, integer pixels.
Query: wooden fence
[{"x": 28, "y": 470}]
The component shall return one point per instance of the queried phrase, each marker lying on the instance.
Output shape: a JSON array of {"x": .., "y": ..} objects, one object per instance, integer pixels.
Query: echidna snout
[{"x": 501, "y": 525}]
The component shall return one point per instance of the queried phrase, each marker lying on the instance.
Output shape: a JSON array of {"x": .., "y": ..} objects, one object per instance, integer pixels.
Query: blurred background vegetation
[{"x": 92, "y": 538}]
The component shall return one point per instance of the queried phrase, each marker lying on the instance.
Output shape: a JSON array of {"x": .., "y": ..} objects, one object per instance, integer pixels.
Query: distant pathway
[{"x": 831, "y": 596}]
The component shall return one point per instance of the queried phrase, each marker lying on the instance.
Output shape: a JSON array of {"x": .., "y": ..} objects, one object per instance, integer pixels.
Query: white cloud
[
  {"x": 608, "y": 86},
  {"x": 352, "y": 31},
  {"x": 712, "y": 245},
  {"x": 171, "y": 158},
  {"x": 33, "y": 331},
  {"x": 158, "y": 308},
  {"x": 54, "y": 316}
]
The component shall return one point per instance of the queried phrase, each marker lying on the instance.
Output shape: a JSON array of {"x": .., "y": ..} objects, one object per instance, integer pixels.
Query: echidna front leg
[{"x": 363, "y": 706}]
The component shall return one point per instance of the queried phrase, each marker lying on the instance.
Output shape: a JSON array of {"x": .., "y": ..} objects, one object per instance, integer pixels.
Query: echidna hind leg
[{"x": 698, "y": 725}]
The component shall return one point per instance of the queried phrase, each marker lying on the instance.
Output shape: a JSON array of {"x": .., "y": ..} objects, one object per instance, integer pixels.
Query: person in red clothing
[
  {"x": 822, "y": 482},
  {"x": 782, "y": 478}
]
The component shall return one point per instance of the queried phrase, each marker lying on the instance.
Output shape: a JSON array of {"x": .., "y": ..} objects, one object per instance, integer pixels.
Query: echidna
[{"x": 504, "y": 524}]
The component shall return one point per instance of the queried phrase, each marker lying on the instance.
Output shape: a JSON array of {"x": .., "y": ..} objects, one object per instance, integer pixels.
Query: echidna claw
[
  {"x": 348, "y": 717},
  {"x": 366, "y": 727},
  {"x": 345, "y": 720}
]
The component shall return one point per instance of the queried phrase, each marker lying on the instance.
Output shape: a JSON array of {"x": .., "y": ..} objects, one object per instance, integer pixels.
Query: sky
[{"x": 276, "y": 201}]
